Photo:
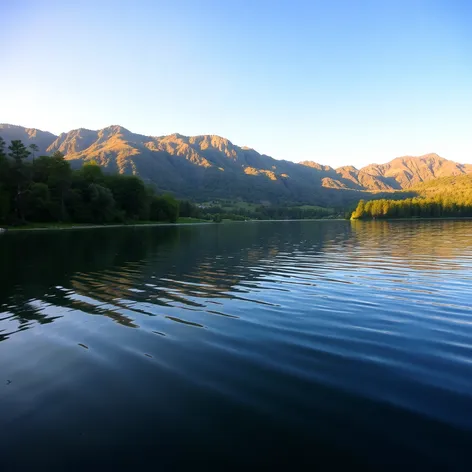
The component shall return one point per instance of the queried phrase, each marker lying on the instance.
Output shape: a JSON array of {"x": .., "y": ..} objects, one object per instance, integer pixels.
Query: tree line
[
  {"x": 266, "y": 212},
  {"x": 418, "y": 207},
  {"x": 47, "y": 189}
]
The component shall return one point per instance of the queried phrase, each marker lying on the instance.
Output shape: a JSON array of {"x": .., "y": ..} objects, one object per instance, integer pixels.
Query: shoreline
[
  {"x": 201, "y": 223},
  {"x": 435, "y": 218},
  {"x": 76, "y": 227},
  {"x": 138, "y": 225}
]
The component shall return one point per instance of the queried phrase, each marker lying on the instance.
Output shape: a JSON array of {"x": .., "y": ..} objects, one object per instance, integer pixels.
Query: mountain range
[{"x": 211, "y": 167}]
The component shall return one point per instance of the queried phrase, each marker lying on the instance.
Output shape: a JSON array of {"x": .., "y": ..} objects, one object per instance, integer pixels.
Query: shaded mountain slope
[
  {"x": 42, "y": 139},
  {"x": 211, "y": 167}
]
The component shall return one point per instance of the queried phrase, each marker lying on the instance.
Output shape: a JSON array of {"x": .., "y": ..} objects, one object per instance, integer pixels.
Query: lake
[{"x": 299, "y": 344}]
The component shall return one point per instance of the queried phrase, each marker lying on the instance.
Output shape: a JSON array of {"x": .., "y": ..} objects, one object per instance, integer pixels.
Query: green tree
[
  {"x": 77, "y": 207},
  {"x": 92, "y": 173},
  {"x": 38, "y": 202},
  {"x": 34, "y": 149},
  {"x": 417, "y": 207},
  {"x": 4, "y": 174},
  {"x": 49, "y": 190},
  {"x": 59, "y": 181},
  {"x": 164, "y": 208},
  {"x": 2, "y": 148},
  {"x": 54, "y": 171},
  {"x": 101, "y": 203},
  {"x": 4, "y": 204},
  {"x": 189, "y": 209},
  {"x": 130, "y": 194},
  {"x": 18, "y": 151},
  {"x": 19, "y": 173}
]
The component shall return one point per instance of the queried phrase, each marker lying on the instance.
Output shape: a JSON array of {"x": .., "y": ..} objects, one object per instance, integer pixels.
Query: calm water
[{"x": 291, "y": 343}]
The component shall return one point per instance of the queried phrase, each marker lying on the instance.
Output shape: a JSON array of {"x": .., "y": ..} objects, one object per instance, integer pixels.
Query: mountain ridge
[{"x": 211, "y": 166}]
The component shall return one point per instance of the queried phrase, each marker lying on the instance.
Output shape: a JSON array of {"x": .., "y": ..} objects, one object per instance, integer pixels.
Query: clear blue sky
[{"x": 338, "y": 82}]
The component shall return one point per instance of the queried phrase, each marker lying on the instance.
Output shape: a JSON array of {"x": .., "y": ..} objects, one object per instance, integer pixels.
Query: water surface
[{"x": 301, "y": 344}]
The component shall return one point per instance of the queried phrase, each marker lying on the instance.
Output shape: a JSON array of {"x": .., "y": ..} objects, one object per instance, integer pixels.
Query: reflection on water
[{"x": 241, "y": 344}]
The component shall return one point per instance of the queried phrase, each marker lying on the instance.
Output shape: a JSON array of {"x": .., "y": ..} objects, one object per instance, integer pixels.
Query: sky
[{"x": 338, "y": 82}]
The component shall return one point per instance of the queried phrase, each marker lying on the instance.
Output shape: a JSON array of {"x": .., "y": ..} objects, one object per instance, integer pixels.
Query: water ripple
[{"x": 302, "y": 323}]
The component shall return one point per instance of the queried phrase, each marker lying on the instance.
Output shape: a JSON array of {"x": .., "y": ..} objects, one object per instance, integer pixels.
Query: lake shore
[
  {"x": 182, "y": 222},
  {"x": 190, "y": 221},
  {"x": 434, "y": 218},
  {"x": 62, "y": 227}
]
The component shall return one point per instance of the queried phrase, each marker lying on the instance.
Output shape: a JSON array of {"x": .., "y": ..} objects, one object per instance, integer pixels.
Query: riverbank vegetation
[
  {"x": 411, "y": 208},
  {"x": 448, "y": 197},
  {"x": 240, "y": 211},
  {"x": 46, "y": 189}
]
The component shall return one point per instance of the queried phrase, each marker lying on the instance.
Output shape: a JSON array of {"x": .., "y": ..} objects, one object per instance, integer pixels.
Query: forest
[
  {"x": 264, "y": 212},
  {"x": 445, "y": 197},
  {"x": 43, "y": 189},
  {"x": 47, "y": 189},
  {"x": 418, "y": 207}
]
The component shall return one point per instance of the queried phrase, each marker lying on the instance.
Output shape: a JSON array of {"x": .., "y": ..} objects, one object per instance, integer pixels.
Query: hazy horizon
[{"x": 342, "y": 83}]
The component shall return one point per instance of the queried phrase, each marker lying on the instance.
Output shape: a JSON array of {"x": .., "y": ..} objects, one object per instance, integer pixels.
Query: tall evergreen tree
[
  {"x": 2, "y": 148},
  {"x": 34, "y": 149},
  {"x": 19, "y": 152}
]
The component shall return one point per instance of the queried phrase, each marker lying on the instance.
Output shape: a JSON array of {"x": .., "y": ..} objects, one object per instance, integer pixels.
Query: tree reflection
[{"x": 128, "y": 273}]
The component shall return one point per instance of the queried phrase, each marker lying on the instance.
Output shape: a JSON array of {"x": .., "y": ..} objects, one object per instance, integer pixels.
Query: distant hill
[
  {"x": 42, "y": 139},
  {"x": 211, "y": 167},
  {"x": 399, "y": 174},
  {"x": 456, "y": 187}
]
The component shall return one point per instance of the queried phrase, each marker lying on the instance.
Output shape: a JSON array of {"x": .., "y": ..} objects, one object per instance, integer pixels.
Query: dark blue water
[{"x": 301, "y": 345}]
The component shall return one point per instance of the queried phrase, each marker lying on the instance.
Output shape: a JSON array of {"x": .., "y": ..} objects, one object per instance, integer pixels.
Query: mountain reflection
[{"x": 125, "y": 274}]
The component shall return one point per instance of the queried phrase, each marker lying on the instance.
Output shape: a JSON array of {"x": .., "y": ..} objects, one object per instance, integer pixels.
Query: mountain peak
[
  {"x": 115, "y": 129},
  {"x": 211, "y": 166},
  {"x": 429, "y": 156},
  {"x": 347, "y": 169},
  {"x": 315, "y": 165}
]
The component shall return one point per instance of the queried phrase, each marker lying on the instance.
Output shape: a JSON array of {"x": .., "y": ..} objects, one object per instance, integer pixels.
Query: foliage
[
  {"x": 38, "y": 202},
  {"x": 48, "y": 190},
  {"x": 241, "y": 212},
  {"x": 413, "y": 208},
  {"x": 189, "y": 209},
  {"x": 165, "y": 208},
  {"x": 17, "y": 175},
  {"x": 458, "y": 187},
  {"x": 130, "y": 195},
  {"x": 2, "y": 148},
  {"x": 18, "y": 151},
  {"x": 445, "y": 197},
  {"x": 34, "y": 149}
]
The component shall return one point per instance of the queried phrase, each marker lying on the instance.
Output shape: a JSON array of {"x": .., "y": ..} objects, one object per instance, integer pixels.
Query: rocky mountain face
[
  {"x": 406, "y": 172},
  {"x": 42, "y": 139},
  {"x": 210, "y": 167},
  {"x": 400, "y": 174}
]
